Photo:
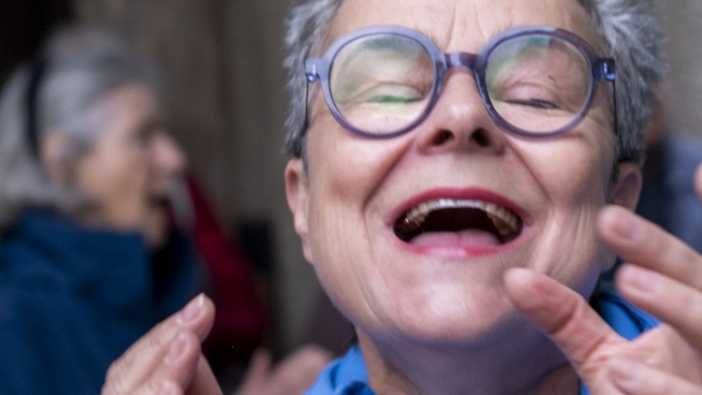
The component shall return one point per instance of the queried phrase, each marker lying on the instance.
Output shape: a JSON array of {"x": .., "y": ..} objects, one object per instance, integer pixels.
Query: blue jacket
[
  {"x": 348, "y": 375},
  {"x": 72, "y": 300}
]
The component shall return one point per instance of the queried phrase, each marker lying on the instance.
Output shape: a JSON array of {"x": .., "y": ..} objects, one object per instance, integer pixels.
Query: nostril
[
  {"x": 480, "y": 137},
  {"x": 443, "y": 137}
]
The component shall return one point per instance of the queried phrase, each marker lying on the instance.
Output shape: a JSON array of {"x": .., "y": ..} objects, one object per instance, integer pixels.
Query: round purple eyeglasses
[{"x": 535, "y": 81}]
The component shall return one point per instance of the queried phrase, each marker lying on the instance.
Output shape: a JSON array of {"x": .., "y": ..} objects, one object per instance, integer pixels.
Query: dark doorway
[{"x": 23, "y": 25}]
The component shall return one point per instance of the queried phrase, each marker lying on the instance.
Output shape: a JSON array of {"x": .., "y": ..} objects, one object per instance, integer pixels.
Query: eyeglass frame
[{"x": 602, "y": 68}]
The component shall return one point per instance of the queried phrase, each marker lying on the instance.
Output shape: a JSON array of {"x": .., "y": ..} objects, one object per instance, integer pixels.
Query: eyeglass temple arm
[
  {"x": 312, "y": 67},
  {"x": 605, "y": 69},
  {"x": 311, "y": 75}
]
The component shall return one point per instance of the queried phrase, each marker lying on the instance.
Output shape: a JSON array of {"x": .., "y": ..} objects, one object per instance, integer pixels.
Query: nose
[
  {"x": 460, "y": 120},
  {"x": 167, "y": 155}
]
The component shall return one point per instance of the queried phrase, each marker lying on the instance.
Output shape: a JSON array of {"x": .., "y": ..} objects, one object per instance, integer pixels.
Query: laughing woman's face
[{"x": 411, "y": 235}]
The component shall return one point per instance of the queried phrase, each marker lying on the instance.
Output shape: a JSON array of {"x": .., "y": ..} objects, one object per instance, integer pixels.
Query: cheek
[
  {"x": 572, "y": 192},
  {"x": 345, "y": 173},
  {"x": 573, "y": 171},
  {"x": 118, "y": 182}
]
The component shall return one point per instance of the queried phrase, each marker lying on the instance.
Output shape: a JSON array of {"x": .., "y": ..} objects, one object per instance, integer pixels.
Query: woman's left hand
[{"x": 663, "y": 277}]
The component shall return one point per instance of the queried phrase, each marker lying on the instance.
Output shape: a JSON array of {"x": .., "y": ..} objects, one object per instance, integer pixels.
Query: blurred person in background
[
  {"x": 667, "y": 195},
  {"x": 88, "y": 258}
]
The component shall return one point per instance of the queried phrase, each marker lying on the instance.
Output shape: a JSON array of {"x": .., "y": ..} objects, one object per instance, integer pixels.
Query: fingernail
[
  {"x": 625, "y": 371},
  {"x": 176, "y": 348},
  {"x": 642, "y": 280},
  {"x": 192, "y": 310},
  {"x": 166, "y": 388},
  {"x": 625, "y": 226}
]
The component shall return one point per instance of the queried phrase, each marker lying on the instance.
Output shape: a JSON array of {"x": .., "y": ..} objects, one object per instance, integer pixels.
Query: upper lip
[{"x": 499, "y": 207}]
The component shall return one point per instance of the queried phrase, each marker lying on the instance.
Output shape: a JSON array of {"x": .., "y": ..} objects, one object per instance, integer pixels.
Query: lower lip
[{"x": 460, "y": 245}]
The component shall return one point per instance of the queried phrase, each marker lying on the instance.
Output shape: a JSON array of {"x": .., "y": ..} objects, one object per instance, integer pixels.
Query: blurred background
[{"x": 227, "y": 105}]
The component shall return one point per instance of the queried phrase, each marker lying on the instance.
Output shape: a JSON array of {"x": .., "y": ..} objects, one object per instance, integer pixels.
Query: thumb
[
  {"x": 257, "y": 373},
  {"x": 564, "y": 316}
]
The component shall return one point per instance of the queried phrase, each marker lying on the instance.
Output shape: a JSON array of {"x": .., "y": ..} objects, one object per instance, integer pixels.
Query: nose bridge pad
[
  {"x": 480, "y": 136},
  {"x": 457, "y": 59}
]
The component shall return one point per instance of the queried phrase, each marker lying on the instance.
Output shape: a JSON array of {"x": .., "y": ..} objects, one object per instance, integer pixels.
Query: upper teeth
[{"x": 505, "y": 221}]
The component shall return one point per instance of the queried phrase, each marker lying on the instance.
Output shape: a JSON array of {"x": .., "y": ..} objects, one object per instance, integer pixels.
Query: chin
[
  {"x": 156, "y": 229},
  {"x": 448, "y": 316}
]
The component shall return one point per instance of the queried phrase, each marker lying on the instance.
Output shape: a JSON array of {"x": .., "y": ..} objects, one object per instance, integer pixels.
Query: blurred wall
[
  {"x": 23, "y": 25},
  {"x": 682, "y": 21},
  {"x": 227, "y": 94}
]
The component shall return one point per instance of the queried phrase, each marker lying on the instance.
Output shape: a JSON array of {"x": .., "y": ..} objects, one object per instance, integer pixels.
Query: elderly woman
[
  {"x": 85, "y": 167},
  {"x": 87, "y": 259},
  {"x": 463, "y": 173}
]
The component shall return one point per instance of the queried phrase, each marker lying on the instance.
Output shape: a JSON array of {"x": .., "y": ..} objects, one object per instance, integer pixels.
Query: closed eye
[
  {"x": 392, "y": 99},
  {"x": 536, "y": 103}
]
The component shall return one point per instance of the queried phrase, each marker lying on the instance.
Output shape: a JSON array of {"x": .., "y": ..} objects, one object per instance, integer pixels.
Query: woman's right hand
[{"x": 168, "y": 360}]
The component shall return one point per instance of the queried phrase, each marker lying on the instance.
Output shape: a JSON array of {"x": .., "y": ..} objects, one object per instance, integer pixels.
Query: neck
[{"x": 533, "y": 366}]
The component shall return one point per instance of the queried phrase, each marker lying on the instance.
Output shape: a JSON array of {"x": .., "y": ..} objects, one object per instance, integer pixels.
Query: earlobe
[
  {"x": 52, "y": 149},
  {"x": 297, "y": 192},
  {"x": 627, "y": 186}
]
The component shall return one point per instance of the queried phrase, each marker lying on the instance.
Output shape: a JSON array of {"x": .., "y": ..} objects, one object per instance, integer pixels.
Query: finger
[
  {"x": 639, "y": 241},
  {"x": 165, "y": 387},
  {"x": 669, "y": 300},
  {"x": 299, "y": 371},
  {"x": 203, "y": 381},
  {"x": 257, "y": 373},
  {"x": 175, "y": 370},
  {"x": 635, "y": 378},
  {"x": 139, "y": 361},
  {"x": 563, "y": 315}
]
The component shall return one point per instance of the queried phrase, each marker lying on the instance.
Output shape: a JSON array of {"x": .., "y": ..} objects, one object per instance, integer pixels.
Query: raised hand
[
  {"x": 292, "y": 376},
  {"x": 663, "y": 277},
  {"x": 167, "y": 360}
]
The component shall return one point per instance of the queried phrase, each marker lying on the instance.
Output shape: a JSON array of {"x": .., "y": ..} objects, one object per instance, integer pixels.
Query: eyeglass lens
[{"x": 382, "y": 83}]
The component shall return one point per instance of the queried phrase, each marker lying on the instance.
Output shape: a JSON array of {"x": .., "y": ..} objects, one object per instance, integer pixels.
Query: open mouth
[{"x": 457, "y": 215}]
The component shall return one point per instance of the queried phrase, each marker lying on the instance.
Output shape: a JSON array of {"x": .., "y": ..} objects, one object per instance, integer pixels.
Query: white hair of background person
[{"x": 83, "y": 65}]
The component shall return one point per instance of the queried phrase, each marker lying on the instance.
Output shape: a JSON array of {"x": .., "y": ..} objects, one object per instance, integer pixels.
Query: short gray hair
[
  {"x": 82, "y": 65},
  {"x": 630, "y": 35}
]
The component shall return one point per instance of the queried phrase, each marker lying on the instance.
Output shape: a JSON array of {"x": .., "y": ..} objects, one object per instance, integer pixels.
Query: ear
[
  {"x": 52, "y": 150},
  {"x": 627, "y": 186},
  {"x": 297, "y": 192}
]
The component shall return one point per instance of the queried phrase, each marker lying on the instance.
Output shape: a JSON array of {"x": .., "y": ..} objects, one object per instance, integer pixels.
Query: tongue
[{"x": 469, "y": 238}]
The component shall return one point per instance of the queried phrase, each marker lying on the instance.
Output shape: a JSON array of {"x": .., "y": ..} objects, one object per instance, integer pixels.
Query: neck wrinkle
[{"x": 411, "y": 369}]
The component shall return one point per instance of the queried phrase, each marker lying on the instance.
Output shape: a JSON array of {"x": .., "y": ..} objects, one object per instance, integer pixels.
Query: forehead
[{"x": 464, "y": 25}]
